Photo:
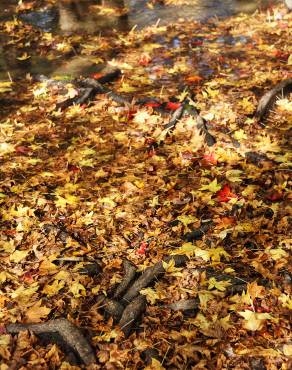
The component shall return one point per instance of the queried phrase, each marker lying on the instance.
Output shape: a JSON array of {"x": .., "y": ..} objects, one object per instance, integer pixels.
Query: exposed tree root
[
  {"x": 61, "y": 332},
  {"x": 184, "y": 305},
  {"x": 132, "y": 313},
  {"x": 266, "y": 102},
  {"x": 150, "y": 274},
  {"x": 130, "y": 273}
]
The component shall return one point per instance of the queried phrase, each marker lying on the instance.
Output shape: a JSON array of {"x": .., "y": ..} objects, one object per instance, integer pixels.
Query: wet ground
[{"x": 79, "y": 17}]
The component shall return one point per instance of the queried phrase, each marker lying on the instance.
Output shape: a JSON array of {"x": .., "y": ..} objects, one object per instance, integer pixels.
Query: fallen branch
[
  {"x": 150, "y": 274},
  {"x": 184, "y": 305},
  {"x": 63, "y": 333},
  {"x": 130, "y": 273},
  {"x": 132, "y": 313},
  {"x": 281, "y": 89}
]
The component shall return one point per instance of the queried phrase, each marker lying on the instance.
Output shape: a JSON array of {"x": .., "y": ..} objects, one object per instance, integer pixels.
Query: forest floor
[{"x": 85, "y": 188}]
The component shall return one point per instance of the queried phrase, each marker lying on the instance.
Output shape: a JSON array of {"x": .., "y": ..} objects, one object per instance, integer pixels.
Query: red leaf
[
  {"x": 225, "y": 194},
  {"x": 145, "y": 60},
  {"x": 274, "y": 196},
  {"x": 96, "y": 76},
  {"x": 210, "y": 158},
  {"x": 152, "y": 104},
  {"x": 21, "y": 149},
  {"x": 172, "y": 106},
  {"x": 142, "y": 249},
  {"x": 73, "y": 168}
]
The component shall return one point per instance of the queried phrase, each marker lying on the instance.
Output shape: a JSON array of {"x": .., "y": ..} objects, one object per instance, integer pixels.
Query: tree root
[
  {"x": 184, "y": 305},
  {"x": 266, "y": 102},
  {"x": 150, "y": 274},
  {"x": 132, "y": 313},
  {"x": 63, "y": 333},
  {"x": 130, "y": 273}
]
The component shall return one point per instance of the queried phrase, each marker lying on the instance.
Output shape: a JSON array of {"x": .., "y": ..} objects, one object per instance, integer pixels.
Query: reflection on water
[
  {"x": 102, "y": 16},
  {"x": 93, "y": 16}
]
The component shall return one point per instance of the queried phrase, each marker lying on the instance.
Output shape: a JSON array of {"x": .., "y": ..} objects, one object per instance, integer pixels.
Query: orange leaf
[{"x": 194, "y": 79}]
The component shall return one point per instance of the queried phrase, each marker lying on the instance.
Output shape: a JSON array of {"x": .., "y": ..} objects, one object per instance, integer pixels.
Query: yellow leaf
[
  {"x": 277, "y": 253},
  {"x": 151, "y": 294},
  {"x": 219, "y": 285},
  {"x": 47, "y": 267},
  {"x": 286, "y": 301},
  {"x": 141, "y": 117},
  {"x": 233, "y": 175},
  {"x": 7, "y": 246},
  {"x": 107, "y": 202},
  {"x": 23, "y": 293},
  {"x": 204, "y": 297},
  {"x": 5, "y": 86},
  {"x": 287, "y": 348},
  {"x": 254, "y": 320},
  {"x": 170, "y": 268},
  {"x": 126, "y": 88},
  {"x": 77, "y": 289},
  {"x": 18, "y": 256},
  {"x": 54, "y": 288},
  {"x": 96, "y": 289},
  {"x": 62, "y": 275},
  {"x": 190, "y": 249},
  {"x": 187, "y": 219},
  {"x": 213, "y": 186},
  {"x": 155, "y": 365},
  {"x": 24, "y": 56},
  {"x": 216, "y": 253},
  {"x": 106, "y": 337},
  {"x": 37, "y": 312},
  {"x": 240, "y": 135}
]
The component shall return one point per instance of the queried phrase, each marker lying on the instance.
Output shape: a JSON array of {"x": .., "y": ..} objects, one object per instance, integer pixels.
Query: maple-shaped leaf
[
  {"x": 233, "y": 175},
  {"x": 18, "y": 256},
  {"x": 253, "y": 320},
  {"x": 286, "y": 300},
  {"x": 219, "y": 285},
  {"x": 187, "y": 219},
  {"x": 225, "y": 194},
  {"x": 210, "y": 159},
  {"x": 190, "y": 249},
  {"x": 213, "y": 186},
  {"x": 216, "y": 253},
  {"x": 151, "y": 295},
  {"x": 170, "y": 268},
  {"x": 54, "y": 288},
  {"x": 37, "y": 312},
  {"x": 77, "y": 289}
]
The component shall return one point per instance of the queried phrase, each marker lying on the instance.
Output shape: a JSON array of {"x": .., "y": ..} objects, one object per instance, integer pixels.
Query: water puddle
[{"x": 71, "y": 17}]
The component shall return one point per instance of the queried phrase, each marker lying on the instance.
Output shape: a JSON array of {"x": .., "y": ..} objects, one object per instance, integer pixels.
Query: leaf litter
[{"x": 164, "y": 251}]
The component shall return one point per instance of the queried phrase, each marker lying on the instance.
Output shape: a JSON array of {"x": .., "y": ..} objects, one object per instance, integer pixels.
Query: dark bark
[
  {"x": 130, "y": 273},
  {"x": 266, "y": 102},
  {"x": 150, "y": 274},
  {"x": 63, "y": 333},
  {"x": 132, "y": 314}
]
